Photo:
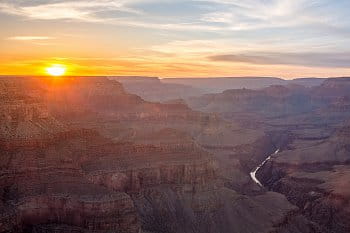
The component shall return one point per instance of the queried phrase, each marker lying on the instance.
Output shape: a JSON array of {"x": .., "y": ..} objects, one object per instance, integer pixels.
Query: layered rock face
[
  {"x": 82, "y": 155},
  {"x": 333, "y": 88},
  {"x": 98, "y": 97},
  {"x": 161, "y": 90},
  {"x": 219, "y": 84},
  {"x": 24, "y": 120},
  {"x": 41, "y": 181},
  {"x": 274, "y": 101},
  {"x": 154, "y": 89},
  {"x": 314, "y": 176},
  {"x": 310, "y": 126}
]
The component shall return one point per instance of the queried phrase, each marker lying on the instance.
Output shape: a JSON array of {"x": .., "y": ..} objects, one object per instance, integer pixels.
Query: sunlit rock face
[
  {"x": 41, "y": 181},
  {"x": 83, "y": 155},
  {"x": 55, "y": 176}
]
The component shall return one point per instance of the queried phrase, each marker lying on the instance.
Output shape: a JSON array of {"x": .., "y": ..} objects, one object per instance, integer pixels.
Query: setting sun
[{"x": 56, "y": 70}]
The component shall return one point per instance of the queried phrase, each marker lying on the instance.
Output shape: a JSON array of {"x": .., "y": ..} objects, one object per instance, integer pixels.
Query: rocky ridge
[{"x": 82, "y": 155}]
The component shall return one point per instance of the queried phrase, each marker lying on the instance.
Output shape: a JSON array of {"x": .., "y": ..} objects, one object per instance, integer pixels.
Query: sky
[{"x": 177, "y": 38}]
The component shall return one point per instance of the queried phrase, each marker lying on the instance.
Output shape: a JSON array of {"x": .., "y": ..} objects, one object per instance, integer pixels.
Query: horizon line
[{"x": 160, "y": 78}]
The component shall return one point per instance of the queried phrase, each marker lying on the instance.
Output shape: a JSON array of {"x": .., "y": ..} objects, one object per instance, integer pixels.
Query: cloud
[
  {"x": 122, "y": 12},
  {"x": 235, "y": 33},
  {"x": 336, "y": 60},
  {"x": 205, "y": 15},
  {"x": 30, "y": 38},
  {"x": 256, "y": 14},
  {"x": 72, "y": 10}
]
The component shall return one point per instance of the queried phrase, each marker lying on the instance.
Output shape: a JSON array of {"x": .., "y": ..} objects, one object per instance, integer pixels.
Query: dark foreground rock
[{"x": 83, "y": 155}]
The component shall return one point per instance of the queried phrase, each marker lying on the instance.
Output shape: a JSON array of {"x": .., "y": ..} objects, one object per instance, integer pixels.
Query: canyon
[
  {"x": 311, "y": 167},
  {"x": 85, "y": 154},
  {"x": 165, "y": 89}
]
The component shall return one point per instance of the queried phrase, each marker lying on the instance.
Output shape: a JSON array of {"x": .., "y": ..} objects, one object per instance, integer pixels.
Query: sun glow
[{"x": 56, "y": 70}]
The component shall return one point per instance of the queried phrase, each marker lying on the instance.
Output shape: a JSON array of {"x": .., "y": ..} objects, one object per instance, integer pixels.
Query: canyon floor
[{"x": 83, "y": 154}]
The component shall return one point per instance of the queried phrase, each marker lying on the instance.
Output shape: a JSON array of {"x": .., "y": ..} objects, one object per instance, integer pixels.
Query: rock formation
[{"x": 81, "y": 154}]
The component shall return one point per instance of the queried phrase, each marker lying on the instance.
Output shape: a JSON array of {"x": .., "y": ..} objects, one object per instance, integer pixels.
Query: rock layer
[{"x": 83, "y": 155}]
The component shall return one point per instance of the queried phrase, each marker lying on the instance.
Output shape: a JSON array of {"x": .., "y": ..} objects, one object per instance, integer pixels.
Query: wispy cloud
[
  {"x": 205, "y": 15},
  {"x": 337, "y": 60},
  {"x": 180, "y": 35},
  {"x": 257, "y": 14},
  {"x": 69, "y": 10},
  {"x": 122, "y": 12},
  {"x": 30, "y": 38}
]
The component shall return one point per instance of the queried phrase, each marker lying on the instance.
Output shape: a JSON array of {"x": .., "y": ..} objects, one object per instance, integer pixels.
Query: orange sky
[{"x": 175, "y": 38}]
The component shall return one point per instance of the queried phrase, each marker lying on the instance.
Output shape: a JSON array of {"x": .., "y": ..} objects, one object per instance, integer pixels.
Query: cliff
[
  {"x": 82, "y": 155},
  {"x": 313, "y": 176},
  {"x": 155, "y": 90}
]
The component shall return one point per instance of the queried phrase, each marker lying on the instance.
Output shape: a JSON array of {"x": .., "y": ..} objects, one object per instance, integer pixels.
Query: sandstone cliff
[{"x": 82, "y": 155}]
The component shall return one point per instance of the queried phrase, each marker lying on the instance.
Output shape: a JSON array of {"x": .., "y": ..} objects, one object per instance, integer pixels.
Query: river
[{"x": 253, "y": 173}]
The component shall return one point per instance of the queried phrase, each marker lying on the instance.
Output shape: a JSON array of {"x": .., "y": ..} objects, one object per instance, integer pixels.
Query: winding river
[{"x": 253, "y": 173}]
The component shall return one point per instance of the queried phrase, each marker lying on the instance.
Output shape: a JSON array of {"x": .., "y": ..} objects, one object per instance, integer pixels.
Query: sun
[{"x": 56, "y": 70}]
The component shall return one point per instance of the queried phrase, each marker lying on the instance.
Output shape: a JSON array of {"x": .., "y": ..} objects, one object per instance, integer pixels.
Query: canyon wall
[{"x": 83, "y": 155}]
